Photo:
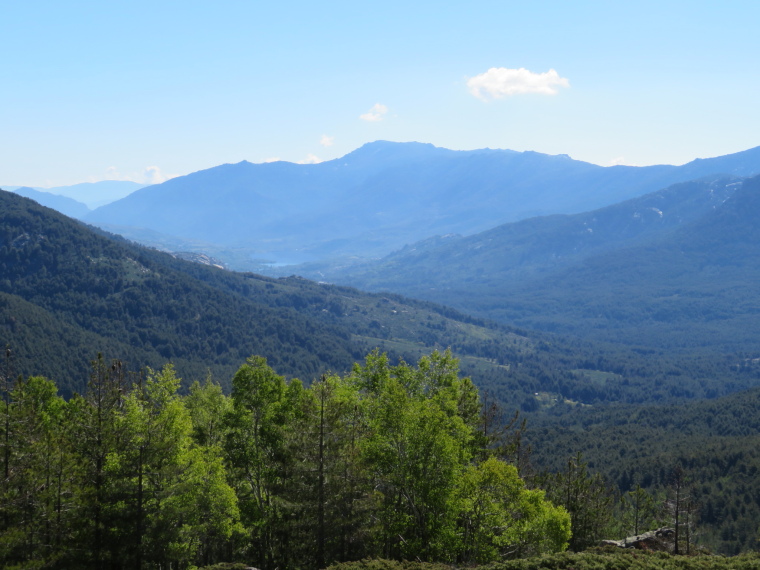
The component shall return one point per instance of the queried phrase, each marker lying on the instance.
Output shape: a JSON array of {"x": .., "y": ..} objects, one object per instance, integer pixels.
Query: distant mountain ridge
[
  {"x": 96, "y": 194},
  {"x": 538, "y": 245},
  {"x": 77, "y": 200},
  {"x": 675, "y": 268},
  {"x": 66, "y": 206},
  {"x": 381, "y": 197}
]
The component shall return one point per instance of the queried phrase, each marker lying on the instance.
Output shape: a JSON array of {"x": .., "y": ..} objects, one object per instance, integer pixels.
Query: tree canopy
[{"x": 385, "y": 461}]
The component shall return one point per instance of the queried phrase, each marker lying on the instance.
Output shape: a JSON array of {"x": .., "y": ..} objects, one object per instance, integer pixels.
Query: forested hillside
[
  {"x": 714, "y": 443},
  {"x": 673, "y": 269},
  {"x": 444, "y": 266},
  {"x": 69, "y": 293},
  {"x": 131, "y": 296},
  {"x": 64, "y": 204}
]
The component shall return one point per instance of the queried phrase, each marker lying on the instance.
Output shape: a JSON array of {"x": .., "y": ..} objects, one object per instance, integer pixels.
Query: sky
[{"x": 146, "y": 91}]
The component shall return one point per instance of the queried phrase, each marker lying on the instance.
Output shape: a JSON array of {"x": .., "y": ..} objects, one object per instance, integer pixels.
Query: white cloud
[
  {"x": 272, "y": 159},
  {"x": 112, "y": 173},
  {"x": 500, "y": 82},
  {"x": 149, "y": 175},
  {"x": 326, "y": 141},
  {"x": 621, "y": 161},
  {"x": 375, "y": 114},
  {"x": 310, "y": 159},
  {"x": 153, "y": 175}
]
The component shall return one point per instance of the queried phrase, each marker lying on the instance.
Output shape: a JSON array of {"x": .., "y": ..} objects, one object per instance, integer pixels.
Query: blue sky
[{"x": 147, "y": 90}]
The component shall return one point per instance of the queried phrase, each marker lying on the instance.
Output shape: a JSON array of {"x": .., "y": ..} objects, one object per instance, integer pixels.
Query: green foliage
[
  {"x": 595, "y": 559},
  {"x": 208, "y": 407},
  {"x": 640, "y": 511},
  {"x": 715, "y": 442},
  {"x": 586, "y": 497},
  {"x": 31, "y": 498},
  {"x": 262, "y": 407},
  {"x": 503, "y": 519},
  {"x": 388, "y": 460}
]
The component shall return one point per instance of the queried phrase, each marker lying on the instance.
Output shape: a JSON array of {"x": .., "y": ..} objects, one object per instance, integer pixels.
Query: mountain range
[
  {"x": 673, "y": 268},
  {"x": 377, "y": 199},
  {"x": 63, "y": 204},
  {"x": 90, "y": 194}
]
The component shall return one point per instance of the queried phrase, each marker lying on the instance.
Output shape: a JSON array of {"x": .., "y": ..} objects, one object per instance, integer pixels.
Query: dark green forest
[
  {"x": 673, "y": 269},
  {"x": 68, "y": 292},
  {"x": 715, "y": 443}
]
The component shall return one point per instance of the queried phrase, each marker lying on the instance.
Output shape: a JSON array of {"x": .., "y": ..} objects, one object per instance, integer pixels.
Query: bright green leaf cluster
[{"x": 393, "y": 461}]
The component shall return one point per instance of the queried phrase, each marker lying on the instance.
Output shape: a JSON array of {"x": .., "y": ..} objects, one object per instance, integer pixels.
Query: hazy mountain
[
  {"x": 92, "y": 194},
  {"x": 96, "y": 194},
  {"x": 64, "y": 205},
  {"x": 536, "y": 246},
  {"x": 383, "y": 196},
  {"x": 675, "y": 268}
]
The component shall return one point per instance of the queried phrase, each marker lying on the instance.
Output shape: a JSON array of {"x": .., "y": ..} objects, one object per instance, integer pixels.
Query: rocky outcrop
[{"x": 659, "y": 539}]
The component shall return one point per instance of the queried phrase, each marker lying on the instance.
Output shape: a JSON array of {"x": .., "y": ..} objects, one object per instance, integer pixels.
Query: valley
[{"x": 619, "y": 322}]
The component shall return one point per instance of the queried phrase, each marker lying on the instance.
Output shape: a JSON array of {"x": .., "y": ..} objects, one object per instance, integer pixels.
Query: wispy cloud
[
  {"x": 375, "y": 114},
  {"x": 326, "y": 140},
  {"x": 310, "y": 159},
  {"x": 153, "y": 175},
  {"x": 149, "y": 175},
  {"x": 620, "y": 161},
  {"x": 112, "y": 173},
  {"x": 499, "y": 82}
]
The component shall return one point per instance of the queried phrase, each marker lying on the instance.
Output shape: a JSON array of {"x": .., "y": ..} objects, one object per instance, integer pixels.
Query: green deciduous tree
[
  {"x": 416, "y": 447},
  {"x": 38, "y": 465},
  {"x": 500, "y": 518},
  {"x": 263, "y": 406}
]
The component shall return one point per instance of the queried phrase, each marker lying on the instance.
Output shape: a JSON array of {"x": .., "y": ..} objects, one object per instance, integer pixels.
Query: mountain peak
[
  {"x": 743, "y": 163},
  {"x": 392, "y": 152}
]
